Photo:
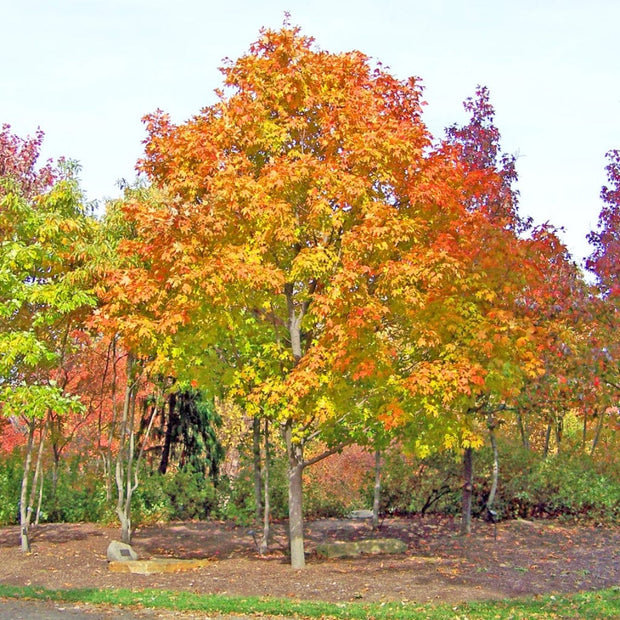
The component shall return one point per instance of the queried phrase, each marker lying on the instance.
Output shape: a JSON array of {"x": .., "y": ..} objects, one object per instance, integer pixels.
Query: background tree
[
  {"x": 45, "y": 292},
  {"x": 605, "y": 264}
]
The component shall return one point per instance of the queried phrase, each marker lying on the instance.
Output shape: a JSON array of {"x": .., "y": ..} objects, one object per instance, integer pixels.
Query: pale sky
[{"x": 86, "y": 71}]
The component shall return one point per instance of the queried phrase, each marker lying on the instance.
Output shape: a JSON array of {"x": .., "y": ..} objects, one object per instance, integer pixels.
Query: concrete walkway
[{"x": 19, "y": 609}]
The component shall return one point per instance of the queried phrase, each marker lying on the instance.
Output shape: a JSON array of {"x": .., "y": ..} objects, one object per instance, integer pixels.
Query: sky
[{"x": 87, "y": 71}]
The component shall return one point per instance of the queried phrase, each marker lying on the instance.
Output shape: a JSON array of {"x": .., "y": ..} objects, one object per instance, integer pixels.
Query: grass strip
[{"x": 596, "y": 605}]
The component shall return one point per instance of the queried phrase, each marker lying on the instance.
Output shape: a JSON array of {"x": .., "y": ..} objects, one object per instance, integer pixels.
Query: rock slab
[
  {"x": 361, "y": 514},
  {"x": 374, "y": 546},
  {"x": 121, "y": 552},
  {"x": 158, "y": 565}
]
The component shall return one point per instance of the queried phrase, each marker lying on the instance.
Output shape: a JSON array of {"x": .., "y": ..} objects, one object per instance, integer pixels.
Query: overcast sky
[{"x": 86, "y": 71}]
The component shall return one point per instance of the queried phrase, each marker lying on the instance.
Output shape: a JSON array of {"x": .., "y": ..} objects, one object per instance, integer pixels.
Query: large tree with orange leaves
[{"x": 300, "y": 241}]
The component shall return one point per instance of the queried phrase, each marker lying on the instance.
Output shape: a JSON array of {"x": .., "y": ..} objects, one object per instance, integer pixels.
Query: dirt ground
[{"x": 526, "y": 558}]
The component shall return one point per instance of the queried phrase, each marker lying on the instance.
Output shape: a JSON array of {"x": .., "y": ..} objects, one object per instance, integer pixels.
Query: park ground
[{"x": 521, "y": 558}]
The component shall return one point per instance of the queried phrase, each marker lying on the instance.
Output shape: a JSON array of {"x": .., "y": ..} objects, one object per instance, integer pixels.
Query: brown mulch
[{"x": 526, "y": 558}]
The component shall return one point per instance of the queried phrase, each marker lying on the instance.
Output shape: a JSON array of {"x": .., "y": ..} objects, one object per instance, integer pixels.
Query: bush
[
  {"x": 336, "y": 485},
  {"x": 79, "y": 495},
  {"x": 417, "y": 486},
  {"x": 236, "y": 501},
  {"x": 563, "y": 485},
  {"x": 11, "y": 470},
  {"x": 569, "y": 486},
  {"x": 191, "y": 495}
]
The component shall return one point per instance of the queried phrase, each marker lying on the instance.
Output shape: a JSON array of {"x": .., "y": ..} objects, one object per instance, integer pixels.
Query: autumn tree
[
  {"x": 290, "y": 204},
  {"x": 139, "y": 373},
  {"x": 604, "y": 263},
  {"x": 45, "y": 293}
]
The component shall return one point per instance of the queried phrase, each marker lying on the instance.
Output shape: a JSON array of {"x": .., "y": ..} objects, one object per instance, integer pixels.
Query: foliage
[
  {"x": 44, "y": 289},
  {"x": 412, "y": 485},
  {"x": 568, "y": 485},
  {"x": 79, "y": 495},
  {"x": 191, "y": 494},
  {"x": 334, "y": 487},
  {"x": 191, "y": 431},
  {"x": 559, "y": 486},
  {"x": 236, "y": 494},
  {"x": 11, "y": 467}
]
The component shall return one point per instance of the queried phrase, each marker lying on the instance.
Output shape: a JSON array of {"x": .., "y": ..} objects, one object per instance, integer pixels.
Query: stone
[
  {"x": 121, "y": 552},
  {"x": 373, "y": 546},
  {"x": 361, "y": 514},
  {"x": 157, "y": 565}
]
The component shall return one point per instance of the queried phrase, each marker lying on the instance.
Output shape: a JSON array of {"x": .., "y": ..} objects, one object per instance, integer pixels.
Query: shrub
[
  {"x": 11, "y": 469},
  {"x": 191, "y": 495},
  {"x": 417, "y": 486},
  {"x": 335, "y": 486}
]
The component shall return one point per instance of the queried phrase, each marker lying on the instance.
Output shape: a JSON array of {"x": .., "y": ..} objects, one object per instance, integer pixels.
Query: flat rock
[
  {"x": 361, "y": 514},
  {"x": 158, "y": 565},
  {"x": 374, "y": 546},
  {"x": 121, "y": 552}
]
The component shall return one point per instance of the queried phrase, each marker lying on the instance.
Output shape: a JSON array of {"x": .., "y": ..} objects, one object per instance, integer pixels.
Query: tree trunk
[
  {"x": 55, "y": 470},
  {"x": 165, "y": 453},
  {"x": 523, "y": 430},
  {"x": 495, "y": 475},
  {"x": 295, "y": 498},
  {"x": 559, "y": 432},
  {"x": 468, "y": 487},
  {"x": 37, "y": 469},
  {"x": 597, "y": 433},
  {"x": 24, "y": 517},
  {"x": 547, "y": 439},
  {"x": 584, "y": 430},
  {"x": 266, "y": 502},
  {"x": 256, "y": 463},
  {"x": 376, "y": 503},
  {"x": 124, "y": 457}
]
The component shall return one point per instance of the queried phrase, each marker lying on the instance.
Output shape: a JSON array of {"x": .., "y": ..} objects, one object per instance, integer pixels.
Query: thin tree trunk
[
  {"x": 295, "y": 498},
  {"x": 37, "y": 468},
  {"x": 24, "y": 517},
  {"x": 547, "y": 439},
  {"x": 559, "y": 432},
  {"x": 165, "y": 453},
  {"x": 122, "y": 459},
  {"x": 495, "y": 474},
  {"x": 266, "y": 502},
  {"x": 108, "y": 451},
  {"x": 256, "y": 462},
  {"x": 468, "y": 487},
  {"x": 129, "y": 465},
  {"x": 55, "y": 469},
  {"x": 597, "y": 433},
  {"x": 39, "y": 502},
  {"x": 584, "y": 430},
  {"x": 376, "y": 503},
  {"x": 523, "y": 431}
]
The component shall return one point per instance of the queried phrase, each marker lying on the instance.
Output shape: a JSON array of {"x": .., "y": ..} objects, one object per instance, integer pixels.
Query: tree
[
  {"x": 287, "y": 209},
  {"x": 604, "y": 262},
  {"x": 45, "y": 292}
]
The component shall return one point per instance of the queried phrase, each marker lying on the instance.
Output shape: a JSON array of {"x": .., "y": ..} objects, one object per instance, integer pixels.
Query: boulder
[
  {"x": 373, "y": 546},
  {"x": 121, "y": 552}
]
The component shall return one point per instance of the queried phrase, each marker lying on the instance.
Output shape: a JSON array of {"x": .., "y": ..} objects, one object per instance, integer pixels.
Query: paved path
[{"x": 18, "y": 609}]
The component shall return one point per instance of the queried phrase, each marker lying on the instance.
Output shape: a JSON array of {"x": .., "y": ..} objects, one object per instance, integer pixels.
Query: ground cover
[{"x": 525, "y": 559}]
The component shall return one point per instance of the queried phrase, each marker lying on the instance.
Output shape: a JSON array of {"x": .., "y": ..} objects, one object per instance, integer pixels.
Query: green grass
[{"x": 595, "y": 605}]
